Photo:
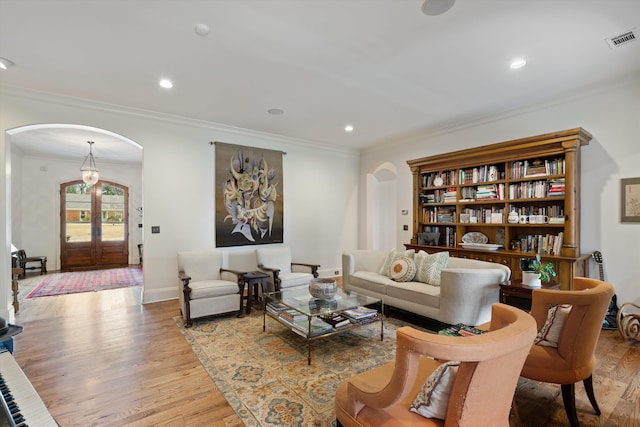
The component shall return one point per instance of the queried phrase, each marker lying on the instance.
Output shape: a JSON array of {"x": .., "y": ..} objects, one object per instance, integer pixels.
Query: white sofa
[{"x": 465, "y": 294}]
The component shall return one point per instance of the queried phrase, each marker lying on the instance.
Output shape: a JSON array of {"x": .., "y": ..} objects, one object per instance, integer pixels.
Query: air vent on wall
[{"x": 620, "y": 40}]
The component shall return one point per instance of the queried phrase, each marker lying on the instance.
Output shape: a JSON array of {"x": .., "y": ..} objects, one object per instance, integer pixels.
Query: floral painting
[{"x": 249, "y": 199}]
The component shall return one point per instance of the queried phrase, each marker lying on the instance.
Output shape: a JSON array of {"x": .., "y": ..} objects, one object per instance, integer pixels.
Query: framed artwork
[
  {"x": 248, "y": 196},
  {"x": 630, "y": 197}
]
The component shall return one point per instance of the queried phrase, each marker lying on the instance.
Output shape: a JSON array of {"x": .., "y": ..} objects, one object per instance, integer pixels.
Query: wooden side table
[
  {"x": 516, "y": 294},
  {"x": 252, "y": 279}
]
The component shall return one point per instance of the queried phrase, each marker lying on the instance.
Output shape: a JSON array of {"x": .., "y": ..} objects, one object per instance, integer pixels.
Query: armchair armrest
[
  {"x": 275, "y": 272},
  {"x": 238, "y": 276},
  {"x": 184, "y": 277},
  {"x": 312, "y": 267}
]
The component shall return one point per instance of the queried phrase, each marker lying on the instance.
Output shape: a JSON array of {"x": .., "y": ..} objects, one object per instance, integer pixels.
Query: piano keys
[{"x": 25, "y": 406}]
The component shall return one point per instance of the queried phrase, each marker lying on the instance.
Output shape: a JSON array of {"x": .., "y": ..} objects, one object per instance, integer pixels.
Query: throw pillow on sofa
[
  {"x": 403, "y": 269},
  {"x": 429, "y": 267},
  {"x": 393, "y": 255}
]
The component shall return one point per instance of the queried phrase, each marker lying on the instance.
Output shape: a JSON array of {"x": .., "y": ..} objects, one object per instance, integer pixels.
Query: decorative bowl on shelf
[
  {"x": 475, "y": 237},
  {"x": 323, "y": 288}
]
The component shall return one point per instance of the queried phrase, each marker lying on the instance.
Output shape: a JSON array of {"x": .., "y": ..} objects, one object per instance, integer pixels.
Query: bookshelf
[{"x": 462, "y": 202}]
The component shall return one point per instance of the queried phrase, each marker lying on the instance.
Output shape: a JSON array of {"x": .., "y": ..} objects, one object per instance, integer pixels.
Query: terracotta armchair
[
  {"x": 574, "y": 358},
  {"x": 483, "y": 388}
]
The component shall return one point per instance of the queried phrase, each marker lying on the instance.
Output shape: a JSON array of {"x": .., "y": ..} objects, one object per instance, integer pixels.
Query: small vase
[{"x": 531, "y": 279}]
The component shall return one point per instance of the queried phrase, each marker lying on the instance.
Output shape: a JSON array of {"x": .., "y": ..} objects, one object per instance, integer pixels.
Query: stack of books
[
  {"x": 275, "y": 307},
  {"x": 461, "y": 330},
  {"x": 362, "y": 314},
  {"x": 450, "y": 196},
  {"x": 318, "y": 327},
  {"x": 535, "y": 168},
  {"x": 291, "y": 316},
  {"x": 487, "y": 192},
  {"x": 338, "y": 320},
  {"x": 556, "y": 187}
]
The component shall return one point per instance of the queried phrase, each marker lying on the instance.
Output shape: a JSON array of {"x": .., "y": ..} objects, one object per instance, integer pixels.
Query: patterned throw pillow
[
  {"x": 429, "y": 267},
  {"x": 433, "y": 399},
  {"x": 393, "y": 255},
  {"x": 549, "y": 335},
  {"x": 403, "y": 269}
]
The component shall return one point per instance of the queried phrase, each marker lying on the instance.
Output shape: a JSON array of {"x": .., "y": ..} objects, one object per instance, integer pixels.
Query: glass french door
[{"x": 94, "y": 224}]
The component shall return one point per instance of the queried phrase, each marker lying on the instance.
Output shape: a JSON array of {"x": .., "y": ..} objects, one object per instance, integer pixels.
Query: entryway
[{"x": 93, "y": 225}]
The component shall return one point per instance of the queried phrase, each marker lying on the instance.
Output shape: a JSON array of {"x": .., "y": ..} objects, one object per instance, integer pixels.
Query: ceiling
[{"x": 381, "y": 65}]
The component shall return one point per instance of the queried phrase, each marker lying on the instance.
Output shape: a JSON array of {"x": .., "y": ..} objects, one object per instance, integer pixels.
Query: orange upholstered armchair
[
  {"x": 482, "y": 390},
  {"x": 574, "y": 358}
]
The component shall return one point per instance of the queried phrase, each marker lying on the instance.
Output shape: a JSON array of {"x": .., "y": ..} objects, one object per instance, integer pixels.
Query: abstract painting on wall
[{"x": 249, "y": 199}]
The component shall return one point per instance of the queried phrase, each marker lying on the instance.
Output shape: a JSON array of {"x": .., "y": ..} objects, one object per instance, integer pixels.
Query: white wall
[
  {"x": 610, "y": 113},
  {"x": 320, "y": 191}
]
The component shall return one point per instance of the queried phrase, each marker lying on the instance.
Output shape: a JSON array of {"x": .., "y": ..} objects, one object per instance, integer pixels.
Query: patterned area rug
[
  {"x": 87, "y": 281},
  {"x": 264, "y": 375}
]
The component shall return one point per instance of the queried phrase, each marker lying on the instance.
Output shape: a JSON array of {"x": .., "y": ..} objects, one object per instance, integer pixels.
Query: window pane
[
  {"x": 78, "y": 213},
  {"x": 112, "y": 213}
]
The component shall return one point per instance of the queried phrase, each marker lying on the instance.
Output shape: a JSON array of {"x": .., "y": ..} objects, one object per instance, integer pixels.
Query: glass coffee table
[{"x": 312, "y": 318}]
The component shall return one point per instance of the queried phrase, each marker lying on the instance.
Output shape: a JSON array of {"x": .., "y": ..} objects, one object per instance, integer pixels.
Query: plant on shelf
[{"x": 542, "y": 271}]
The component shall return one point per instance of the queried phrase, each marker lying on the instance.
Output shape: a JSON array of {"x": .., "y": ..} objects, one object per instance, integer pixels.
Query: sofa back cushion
[
  {"x": 242, "y": 261},
  {"x": 200, "y": 265}
]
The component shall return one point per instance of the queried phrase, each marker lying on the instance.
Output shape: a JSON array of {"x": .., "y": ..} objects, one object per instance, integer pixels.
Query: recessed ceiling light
[
  {"x": 518, "y": 63},
  {"x": 202, "y": 29},
  {"x": 348, "y": 128},
  {"x": 436, "y": 7},
  {"x": 166, "y": 83},
  {"x": 6, "y": 63},
  {"x": 275, "y": 111}
]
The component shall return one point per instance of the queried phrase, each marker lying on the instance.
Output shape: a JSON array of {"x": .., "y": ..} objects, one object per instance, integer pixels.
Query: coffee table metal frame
[{"x": 299, "y": 299}]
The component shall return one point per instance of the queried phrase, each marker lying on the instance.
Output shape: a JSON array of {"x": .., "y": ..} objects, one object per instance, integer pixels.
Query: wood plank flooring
[{"x": 103, "y": 359}]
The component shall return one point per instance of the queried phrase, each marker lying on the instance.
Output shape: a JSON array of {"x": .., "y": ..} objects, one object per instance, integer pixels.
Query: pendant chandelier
[{"x": 90, "y": 172}]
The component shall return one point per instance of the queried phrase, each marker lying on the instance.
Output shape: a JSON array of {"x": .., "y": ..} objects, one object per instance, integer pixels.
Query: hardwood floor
[{"x": 103, "y": 359}]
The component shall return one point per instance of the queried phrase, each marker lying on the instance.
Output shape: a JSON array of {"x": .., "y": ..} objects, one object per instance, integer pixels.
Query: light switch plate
[{"x": 155, "y": 229}]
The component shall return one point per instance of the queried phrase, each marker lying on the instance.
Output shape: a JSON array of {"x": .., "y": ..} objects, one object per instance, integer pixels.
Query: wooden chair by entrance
[{"x": 23, "y": 260}]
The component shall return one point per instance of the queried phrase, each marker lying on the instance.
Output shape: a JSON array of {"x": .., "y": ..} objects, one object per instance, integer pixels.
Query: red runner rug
[{"x": 87, "y": 281}]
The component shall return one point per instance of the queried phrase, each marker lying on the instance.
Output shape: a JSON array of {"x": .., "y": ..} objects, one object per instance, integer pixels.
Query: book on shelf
[
  {"x": 318, "y": 327},
  {"x": 461, "y": 330},
  {"x": 360, "y": 312}
]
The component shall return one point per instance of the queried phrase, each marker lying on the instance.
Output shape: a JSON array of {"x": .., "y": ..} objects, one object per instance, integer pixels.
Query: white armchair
[
  {"x": 205, "y": 287},
  {"x": 283, "y": 272}
]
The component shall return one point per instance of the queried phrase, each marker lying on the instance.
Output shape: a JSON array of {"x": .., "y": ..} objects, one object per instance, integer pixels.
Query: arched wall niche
[{"x": 381, "y": 206}]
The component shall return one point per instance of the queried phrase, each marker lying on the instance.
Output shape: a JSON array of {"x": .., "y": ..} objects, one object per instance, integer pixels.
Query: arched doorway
[
  {"x": 44, "y": 156},
  {"x": 94, "y": 221}
]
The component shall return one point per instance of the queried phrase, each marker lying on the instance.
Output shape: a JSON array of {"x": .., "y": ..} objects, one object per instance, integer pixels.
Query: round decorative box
[{"x": 323, "y": 288}]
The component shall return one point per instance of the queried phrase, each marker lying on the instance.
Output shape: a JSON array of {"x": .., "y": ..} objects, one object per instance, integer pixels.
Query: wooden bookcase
[{"x": 474, "y": 190}]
